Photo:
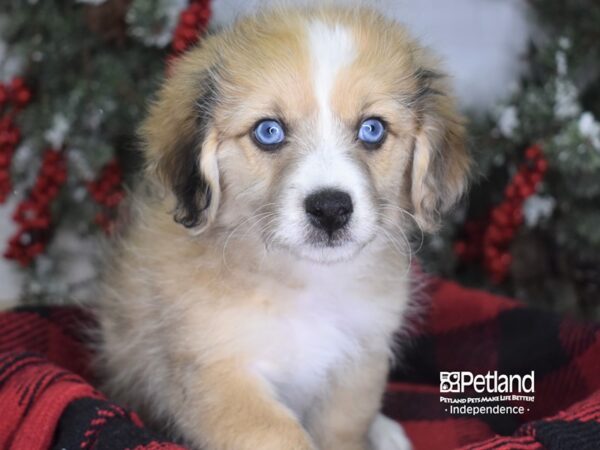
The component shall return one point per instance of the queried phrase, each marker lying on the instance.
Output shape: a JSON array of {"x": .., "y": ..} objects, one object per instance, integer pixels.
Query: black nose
[{"x": 329, "y": 209}]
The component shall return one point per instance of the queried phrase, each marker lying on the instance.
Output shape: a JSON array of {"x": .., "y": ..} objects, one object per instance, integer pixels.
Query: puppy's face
[{"x": 315, "y": 131}]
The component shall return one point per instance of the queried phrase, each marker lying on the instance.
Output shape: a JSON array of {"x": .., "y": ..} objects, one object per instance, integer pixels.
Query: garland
[
  {"x": 107, "y": 191},
  {"x": 193, "y": 22},
  {"x": 33, "y": 214},
  {"x": 489, "y": 240},
  {"x": 13, "y": 98}
]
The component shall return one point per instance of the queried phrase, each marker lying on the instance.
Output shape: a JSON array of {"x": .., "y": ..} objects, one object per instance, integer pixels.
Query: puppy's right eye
[
  {"x": 372, "y": 132},
  {"x": 268, "y": 134}
]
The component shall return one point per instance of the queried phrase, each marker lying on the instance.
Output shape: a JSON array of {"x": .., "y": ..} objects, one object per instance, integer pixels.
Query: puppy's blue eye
[
  {"x": 371, "y": 132},
  {"x": 269, "y": 133}
]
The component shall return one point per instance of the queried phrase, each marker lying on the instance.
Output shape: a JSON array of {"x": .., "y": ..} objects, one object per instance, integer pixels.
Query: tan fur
[
  {"x": 185, "y": 315},
  {"x": 343, "y": 421}
]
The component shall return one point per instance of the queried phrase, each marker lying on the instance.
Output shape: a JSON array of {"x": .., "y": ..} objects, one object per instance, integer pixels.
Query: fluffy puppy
[{"x": 252, "y": 301}]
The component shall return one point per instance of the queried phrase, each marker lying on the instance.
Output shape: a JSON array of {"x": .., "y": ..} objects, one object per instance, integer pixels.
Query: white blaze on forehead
[
  {"x": 331, "y": 49},
  {"x": 327, "y": 162}
]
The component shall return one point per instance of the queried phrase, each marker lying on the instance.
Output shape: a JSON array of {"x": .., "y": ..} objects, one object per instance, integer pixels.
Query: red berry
[
  {"x": 189, "y": 34},
  {"x": 536, "y": 178},
  {"x": 505, "y": 259},
  {"x": 22, "y": 97},
  {"x": 3, "y": 94},
  {"x": 526, "y": 191},
  {"x": 499, "y": 217},
  {"x": 60, "y": 177},
  {"x": 17, "y": 83},
  {"x": 517, "y": 217},
  {"x": 5, "y": 138},
  {"x": 533, "y": 152},
  {"x": 508, "y": 234},
  {"x": 40, "y": 222},
  {"x": 188, "y": 18},
  {"x": 490, "y": 252},
  {"x": 519, "y": 179},
  {"x": 179, "y": 45},
  {"x": 542, "y": 166},
  {"x": 36, "y": 248},
  {"x": 194, "y": 8},
  {"x": 460, "y": 249},
  {"x": 493, "y": 234},
  {"x": 510, "y": 191},
  {"x": 15, "y": 136}
]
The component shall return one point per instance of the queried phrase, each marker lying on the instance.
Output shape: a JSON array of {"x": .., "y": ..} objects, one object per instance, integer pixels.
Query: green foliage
[
  {"x": 91, "y": 78},
  {"x": 557, "y": 106},
  {"x": 100, "y": 87}
]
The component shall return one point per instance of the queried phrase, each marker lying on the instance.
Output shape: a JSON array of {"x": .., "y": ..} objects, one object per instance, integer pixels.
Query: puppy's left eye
[
  {"x": 268, "y": 134},
  {"x": 372, "y": 132}
]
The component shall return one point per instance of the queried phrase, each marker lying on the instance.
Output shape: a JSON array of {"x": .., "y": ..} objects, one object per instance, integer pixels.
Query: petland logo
[
  {"x": 492, "y": 393},
  {"x": 491, "y": 383}
]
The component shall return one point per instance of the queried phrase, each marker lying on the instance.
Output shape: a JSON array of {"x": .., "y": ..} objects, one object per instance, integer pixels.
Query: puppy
[{"x": 252, "y": 301}]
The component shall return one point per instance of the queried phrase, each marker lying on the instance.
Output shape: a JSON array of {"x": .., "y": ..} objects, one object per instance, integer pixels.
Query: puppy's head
[{"x": 316, "y": 131}]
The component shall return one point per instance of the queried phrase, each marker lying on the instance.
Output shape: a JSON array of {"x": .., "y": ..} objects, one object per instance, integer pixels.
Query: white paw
[{"x": 385, "y": 434}]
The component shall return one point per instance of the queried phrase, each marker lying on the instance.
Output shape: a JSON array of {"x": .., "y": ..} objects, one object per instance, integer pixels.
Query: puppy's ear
[
  {"x": 441, "y": 161},
  {"x": 181, "y": 143}
]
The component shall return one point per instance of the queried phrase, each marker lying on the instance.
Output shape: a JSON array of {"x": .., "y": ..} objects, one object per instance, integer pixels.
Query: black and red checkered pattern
[
  {"x": 470, "y": 330},
  {"x": 47, "y": 398}
]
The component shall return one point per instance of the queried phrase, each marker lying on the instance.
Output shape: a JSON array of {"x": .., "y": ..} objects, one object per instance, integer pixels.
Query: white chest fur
[{"x": 331, "y": 320}]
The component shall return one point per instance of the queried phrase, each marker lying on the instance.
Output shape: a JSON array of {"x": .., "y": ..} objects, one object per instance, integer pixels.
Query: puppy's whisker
[
  {"x": 257, "y": 217},
  {"x": 414, "y": 219},
  {"x": 230, "y": 236},
  {"x": 268, "y": 233},
  {"x": 269, "y": 238},
  {"x": 391, "y": 237},
  {"x": 397, "y": 246},
  {"x": 392, "y": 223},
  {"x": 389, "y": 221}
]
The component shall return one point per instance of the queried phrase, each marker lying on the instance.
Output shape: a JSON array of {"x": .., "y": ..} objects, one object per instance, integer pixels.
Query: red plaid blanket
[{"x": 48, "y": 400}]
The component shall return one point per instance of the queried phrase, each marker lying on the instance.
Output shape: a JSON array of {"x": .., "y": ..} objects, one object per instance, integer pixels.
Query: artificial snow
[
  {"x": 58, "y": 131},
  {"x": 10, "y": 65},
  {"x": 589, "y": 128},
  {"x": 508, "y": 121},
  {"x": 169, "y": 11},
  {"x": 537, "y": 208},
  {"x": 10, "y": 273},
  {"x": 566, "y": 101}
]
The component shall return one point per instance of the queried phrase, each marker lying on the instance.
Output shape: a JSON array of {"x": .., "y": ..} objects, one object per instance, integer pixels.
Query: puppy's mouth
[
  {"x": 320, "y": 239},
  {"x": 332, "y": 249},
  {"x": 319, "y": 247}
]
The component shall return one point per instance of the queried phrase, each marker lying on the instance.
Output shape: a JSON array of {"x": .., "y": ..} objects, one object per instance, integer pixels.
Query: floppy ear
[
  {"x": 181, "y": 144},
  {"x": 441, "y": 161}
]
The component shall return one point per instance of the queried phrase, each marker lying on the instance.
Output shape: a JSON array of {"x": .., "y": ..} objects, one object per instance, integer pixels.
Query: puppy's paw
[{"x": 385, "y": 434}]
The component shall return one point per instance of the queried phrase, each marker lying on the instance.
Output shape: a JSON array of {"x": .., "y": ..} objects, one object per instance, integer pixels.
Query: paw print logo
[{"x": 450, "y": 382}]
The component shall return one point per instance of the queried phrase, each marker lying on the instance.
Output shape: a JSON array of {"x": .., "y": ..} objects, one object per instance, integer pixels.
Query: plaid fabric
[
  {"x": 48, "y": 399},
  {"x": 45, "y": 400},
  {"x": 469, "y": 330}
]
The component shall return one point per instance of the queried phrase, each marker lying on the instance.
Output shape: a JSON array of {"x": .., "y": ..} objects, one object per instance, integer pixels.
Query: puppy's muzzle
[{"x": 328, "y": 209}]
